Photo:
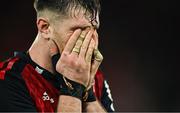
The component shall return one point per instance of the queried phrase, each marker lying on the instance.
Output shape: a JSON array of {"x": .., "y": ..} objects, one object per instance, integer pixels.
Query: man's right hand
[{"x": 75, "y": 60}]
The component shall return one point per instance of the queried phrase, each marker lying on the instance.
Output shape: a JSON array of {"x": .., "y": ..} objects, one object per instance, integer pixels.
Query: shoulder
[
  {"x": 7, "y": 67},
  {"x": 11, "y": 68},
  {"x": 14, "y": 95}
]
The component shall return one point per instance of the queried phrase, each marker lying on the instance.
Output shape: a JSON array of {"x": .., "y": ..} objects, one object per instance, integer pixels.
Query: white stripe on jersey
[
  {"x": 109, "y": 94},
  {"x": 108, "y": 90}
]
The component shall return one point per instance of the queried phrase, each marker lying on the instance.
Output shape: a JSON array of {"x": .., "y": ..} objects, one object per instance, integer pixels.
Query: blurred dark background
[{"x": 138, "y": 38}]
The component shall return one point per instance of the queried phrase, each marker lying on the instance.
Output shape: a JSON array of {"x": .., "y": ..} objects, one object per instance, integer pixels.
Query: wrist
[
  {"x": 89, "y": 96},
  {"x": 71, "y": 88}
]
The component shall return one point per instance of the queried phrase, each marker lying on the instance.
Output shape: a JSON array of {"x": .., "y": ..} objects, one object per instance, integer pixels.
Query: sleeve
[
  {"x": 106, "y": 98},
  {"x": 14, "y": 96}
]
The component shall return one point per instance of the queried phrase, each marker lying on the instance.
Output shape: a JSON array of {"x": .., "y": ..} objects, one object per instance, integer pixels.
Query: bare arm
[
  {"x": 93, "y": 107},
  {"x": 69, "y": 104}
]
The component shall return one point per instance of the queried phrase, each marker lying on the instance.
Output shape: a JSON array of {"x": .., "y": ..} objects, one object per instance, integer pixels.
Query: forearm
[
  {"x": 68, "y": 104},
  {"x": 93, "y": 107}
]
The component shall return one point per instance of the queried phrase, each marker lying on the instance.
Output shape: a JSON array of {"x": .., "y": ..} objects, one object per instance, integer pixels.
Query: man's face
[{"x": 64, "y": 28}]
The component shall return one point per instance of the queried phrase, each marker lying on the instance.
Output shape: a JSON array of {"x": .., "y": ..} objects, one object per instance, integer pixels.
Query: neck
[{"x": 39, "y": 53}]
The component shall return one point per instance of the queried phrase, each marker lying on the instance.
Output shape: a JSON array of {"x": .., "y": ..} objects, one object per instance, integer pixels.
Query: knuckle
[
  {"x": 76, "y": 63},
  {"x": 72, "y": 62},
  {"x": 65, "y": 53}
]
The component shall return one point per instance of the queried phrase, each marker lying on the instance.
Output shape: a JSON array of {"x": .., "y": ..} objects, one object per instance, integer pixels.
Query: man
[{"x": 59, "y": 73}]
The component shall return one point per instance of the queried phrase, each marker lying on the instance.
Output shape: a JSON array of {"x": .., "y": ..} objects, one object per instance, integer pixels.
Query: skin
[{"x": 61, "y": 36}]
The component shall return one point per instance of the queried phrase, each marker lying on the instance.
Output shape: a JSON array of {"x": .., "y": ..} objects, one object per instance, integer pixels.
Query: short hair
[{"x": 64, "y": 6}]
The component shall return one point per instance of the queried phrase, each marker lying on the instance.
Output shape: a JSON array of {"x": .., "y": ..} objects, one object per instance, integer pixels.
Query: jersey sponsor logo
[{"x": 46, "y": 97}]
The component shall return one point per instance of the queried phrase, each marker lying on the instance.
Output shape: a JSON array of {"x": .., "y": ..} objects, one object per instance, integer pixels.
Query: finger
[
  {"x": 90, "y": 51},
  {"x": 95, "y": 37},
  {"x": 72, "y": 41},
  {"x": 84, "y": 33},
  {"x": 96, "y": 61},
  {"x": 79, "y": 42},
  {"x": 86, "y": 43},
  {"x": 77, "y": 47},
  {"x": 89, "y": 59},
  {"x": 94, "y": 67},
  {"x": 97, "y": 55}
]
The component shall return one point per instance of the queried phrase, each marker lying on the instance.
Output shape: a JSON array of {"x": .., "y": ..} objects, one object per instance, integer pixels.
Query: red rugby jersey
[{"x": 27, "y": 87}]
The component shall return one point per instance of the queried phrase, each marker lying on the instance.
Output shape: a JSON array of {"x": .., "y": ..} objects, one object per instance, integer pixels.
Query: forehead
[{"x": 85, "y": 19}]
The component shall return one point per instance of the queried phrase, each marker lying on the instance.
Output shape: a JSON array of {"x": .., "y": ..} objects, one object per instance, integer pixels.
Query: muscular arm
[{"x": 69, "y": 104}]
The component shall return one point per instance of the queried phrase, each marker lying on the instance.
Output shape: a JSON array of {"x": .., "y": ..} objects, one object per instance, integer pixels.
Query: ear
[{"x": 43, "y": 26}]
